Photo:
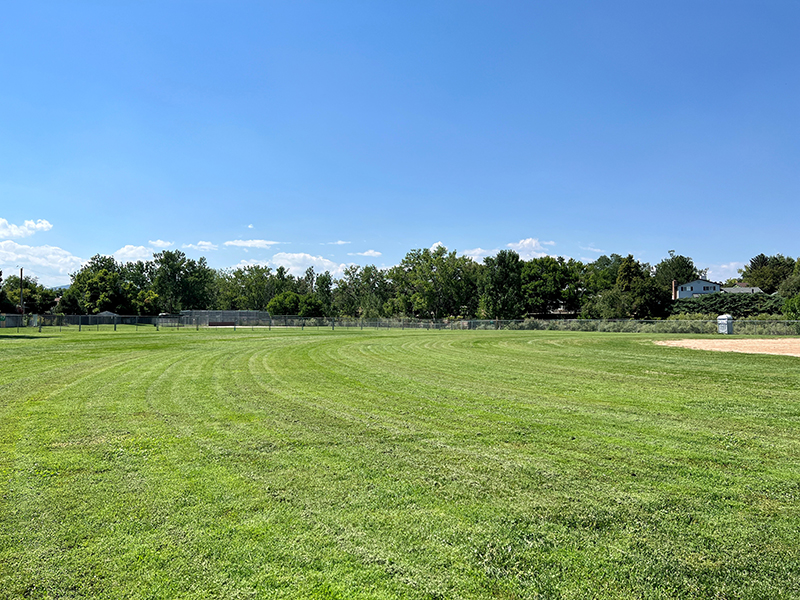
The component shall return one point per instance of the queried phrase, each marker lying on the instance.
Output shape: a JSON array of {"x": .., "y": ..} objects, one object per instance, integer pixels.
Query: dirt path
[{"x": 787, "y": 346}]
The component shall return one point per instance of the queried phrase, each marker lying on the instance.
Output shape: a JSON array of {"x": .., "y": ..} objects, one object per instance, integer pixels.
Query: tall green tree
[
  {"x": 246, "y": 288},
  {"x": 790, "y": 287},
  {"x": 630, "y": 271},
  {"x": 551, "y": 283},
  {"x": 636, "y": 294},
  {"x": 5, "y": 304},
  {"x": 38, "y": 298},
  {"x": 324, "y": 293},
  {"x": 182, "y": 283},
  {"x": 198, "y": 285},
  {"x": 768, "y": 272},
  {"x": 434, "y": 284},
  {"x": 98, "y": 286},
  {"x": 679, "y": 268},
  {"x": 501, "y": 286},
  {"x": 361, "y": 292},
  {"x": 136, "y": 284},
  {"x": 601, "y": 274},
  {"x": 285, "y": 303},
  {"x": 305, "y": 284},
  {"x": 168, "y": 279},
  {"x": 310, "y": 306}
]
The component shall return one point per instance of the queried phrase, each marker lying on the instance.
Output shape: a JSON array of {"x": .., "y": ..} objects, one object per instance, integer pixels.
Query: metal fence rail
[{"x": 261, "y": 319}]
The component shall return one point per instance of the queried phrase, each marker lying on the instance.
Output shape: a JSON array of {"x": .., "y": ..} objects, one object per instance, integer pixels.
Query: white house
[{"x": 696, "y": 288}]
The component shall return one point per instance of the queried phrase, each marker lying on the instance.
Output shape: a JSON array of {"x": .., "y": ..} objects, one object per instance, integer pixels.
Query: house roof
[
  {"x": 700, "y": 281},
  {"x": 743, "y": 290}
]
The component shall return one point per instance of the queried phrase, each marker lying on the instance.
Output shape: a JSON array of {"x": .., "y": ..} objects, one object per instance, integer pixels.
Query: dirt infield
[{"x": 787, "y": 346}]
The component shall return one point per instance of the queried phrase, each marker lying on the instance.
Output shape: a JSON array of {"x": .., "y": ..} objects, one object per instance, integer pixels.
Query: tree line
[{"x": 428, "y": 284}]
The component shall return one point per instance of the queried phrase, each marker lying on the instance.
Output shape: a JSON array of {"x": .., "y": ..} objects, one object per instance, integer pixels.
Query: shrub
[
  {"x": 791, "y": 308},
  {"x": 739, "y": 306}
]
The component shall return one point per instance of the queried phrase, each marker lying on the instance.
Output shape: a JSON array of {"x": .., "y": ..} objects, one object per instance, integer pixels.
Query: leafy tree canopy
[
  {"x": 677, "y": 268},
  {"x": 501, "y": 286},
  {"x": 791, "y": 308},
  {"x": 285, "y": 303},
  {"x": 550, "y": 283},
  {"x": 38, "y": 299},
  {"x": 601, "y": 274},
  {"x": 768, "y": 272}
]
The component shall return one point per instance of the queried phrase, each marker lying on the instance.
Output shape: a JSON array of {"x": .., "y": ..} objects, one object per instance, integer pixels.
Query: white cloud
[
  {"x": 590, "y": 249},
  {"x": 11, "y": 231},
  {"x": 435, "y": 246},
  {"x": 50, "y": 264},
  {"x": 298, "y": 262},
  {"x": 251, "y": 243},
  {"x": 160, "y": 243},
  {"x": 251, "y": 263},
  {"x": 725, "y": 271},
  {"x": 202, "y": 246},
  {"x": 131, "y": 253},
  {"x": 530, "y": 248},
  {"x": 478, "y": 254},
  {"x": 336, "y": 243},
  {"x": 367, "y": 253},
  {"x": 250, "y": 226}
]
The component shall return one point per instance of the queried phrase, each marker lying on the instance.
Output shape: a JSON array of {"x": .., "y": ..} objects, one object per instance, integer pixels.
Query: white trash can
[{"x": 725, "y": 324}]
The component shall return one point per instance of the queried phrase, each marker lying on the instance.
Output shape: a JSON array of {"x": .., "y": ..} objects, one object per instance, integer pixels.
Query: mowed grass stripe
[{"x": 402, "y": 464}]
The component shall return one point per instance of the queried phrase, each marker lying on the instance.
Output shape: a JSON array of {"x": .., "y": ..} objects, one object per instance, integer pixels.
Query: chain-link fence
[{"x": 250, "y": 319}]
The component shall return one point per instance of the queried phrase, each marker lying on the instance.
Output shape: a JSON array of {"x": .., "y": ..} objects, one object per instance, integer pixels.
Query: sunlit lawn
[{"x": 400, "y": 464}]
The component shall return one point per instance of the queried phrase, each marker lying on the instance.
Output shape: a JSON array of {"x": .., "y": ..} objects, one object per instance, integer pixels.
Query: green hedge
[{"x": 737, "y": 305}]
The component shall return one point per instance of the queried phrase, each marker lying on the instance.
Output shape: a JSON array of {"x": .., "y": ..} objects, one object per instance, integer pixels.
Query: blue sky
[{"x": 274, "y": 132}]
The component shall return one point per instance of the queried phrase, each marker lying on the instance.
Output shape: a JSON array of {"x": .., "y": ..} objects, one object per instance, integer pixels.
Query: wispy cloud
[
  {"x": 201, "y": 246},
  {"x": 250, "y": 226},
  {"x": 51, "y": 264},
  {"x": 251, "y": 243},
  {"x": 11, "y": 231},
  {"x": 336, "y": 243},
  {"x": 372, "y": 253},
  {"x": 160, "y": 244},
  {"x": 590, "y": 249},
  {"x": 530, "y": 248}
]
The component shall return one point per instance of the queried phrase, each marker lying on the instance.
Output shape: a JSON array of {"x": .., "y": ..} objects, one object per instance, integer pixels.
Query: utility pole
[{"x": 21, "y": 299}]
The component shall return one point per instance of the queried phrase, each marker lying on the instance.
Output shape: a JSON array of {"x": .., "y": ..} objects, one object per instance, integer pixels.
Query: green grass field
[{"x": 400, "y": 464}]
